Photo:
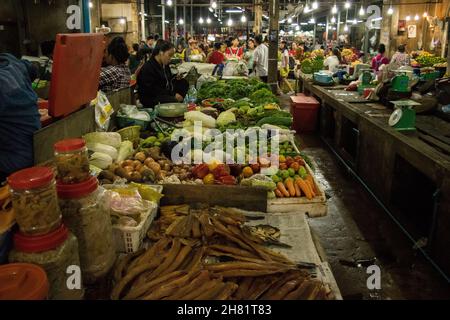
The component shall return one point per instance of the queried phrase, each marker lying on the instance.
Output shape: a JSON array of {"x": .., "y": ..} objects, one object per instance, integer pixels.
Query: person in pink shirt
[{"x": 380, "y": 58}]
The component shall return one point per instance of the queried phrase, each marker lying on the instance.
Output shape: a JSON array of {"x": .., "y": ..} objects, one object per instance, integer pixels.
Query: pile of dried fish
[{"x": 208, "y": 254}]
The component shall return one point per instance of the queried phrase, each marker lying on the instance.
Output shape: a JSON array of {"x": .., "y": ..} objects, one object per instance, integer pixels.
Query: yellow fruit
[
  {"x": 282, "y": 159},
  {"x": 213, "y": 165},
  {"x": 208, "y": 179},
  {"x": 247, "y": 172}
]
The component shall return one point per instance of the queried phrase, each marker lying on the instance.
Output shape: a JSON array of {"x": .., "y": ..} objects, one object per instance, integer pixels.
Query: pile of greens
[
  {"x": 238, "y": 89},
  {"x": 429, "y": 60}
]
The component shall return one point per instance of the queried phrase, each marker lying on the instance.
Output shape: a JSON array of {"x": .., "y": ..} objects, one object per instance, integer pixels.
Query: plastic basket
[
  {"x": 129, "y": 239},
  {"x": 132, "y": 133}
]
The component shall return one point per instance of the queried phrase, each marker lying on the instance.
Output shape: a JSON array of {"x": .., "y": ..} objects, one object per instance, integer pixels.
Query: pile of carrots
[{"x": 297, "y": 187}]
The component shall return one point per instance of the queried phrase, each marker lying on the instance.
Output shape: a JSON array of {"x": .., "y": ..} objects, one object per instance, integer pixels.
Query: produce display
[
  {"x": 426, "y": 59},
  {"x": 207, "y": 253}
]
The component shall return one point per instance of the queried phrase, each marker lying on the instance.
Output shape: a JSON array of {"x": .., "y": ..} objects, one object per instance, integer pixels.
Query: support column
[
  {"x": 143, "y": 35},
  {"x": 274, "y": 14},
  {"x": 163, "y": 20},
  {"x": 258, "y": 17}
]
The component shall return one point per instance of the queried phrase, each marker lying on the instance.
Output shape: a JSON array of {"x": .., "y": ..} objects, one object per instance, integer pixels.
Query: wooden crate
[{"x": 316, "y": 207}]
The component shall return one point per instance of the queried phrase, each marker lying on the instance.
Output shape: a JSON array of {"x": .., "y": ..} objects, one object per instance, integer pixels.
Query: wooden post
[
  {"x": 274, "y": 13},
  {"x": 258, "y": 17}
]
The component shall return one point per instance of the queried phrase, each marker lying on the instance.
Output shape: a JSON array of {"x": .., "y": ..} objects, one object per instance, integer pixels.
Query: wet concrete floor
[{"x": 357, "y": 228}]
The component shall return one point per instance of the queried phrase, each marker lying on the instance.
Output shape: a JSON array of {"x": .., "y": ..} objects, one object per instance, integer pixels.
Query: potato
[
  {"x": 140, "y": 156},
  {"x": 127, "y": 163},
  {"x": 136, "y": 163},
  {"x": 107, "y": 174},
  {"x": 155, "y": 167},
  {"x": 135, "y": 176},
  {"x": 138, "y": 167},
  {"x": 121, "y": 172},
  {"x": 129, "y": 169},
  {"x": 148, "y": 161}
]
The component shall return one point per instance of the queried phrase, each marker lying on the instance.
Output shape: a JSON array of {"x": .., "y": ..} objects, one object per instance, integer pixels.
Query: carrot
[
  {"x": 282, "y": 189},
  {"x": 310, "y": 179},
  {"x": 304, "y": 187},
  {"x": 278, "y": 193},
  {"x": 289, "y": 183},
  {"x": 298, "y": 192}
]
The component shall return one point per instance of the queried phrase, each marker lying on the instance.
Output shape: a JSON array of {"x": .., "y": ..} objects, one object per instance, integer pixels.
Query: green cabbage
[
  {"x": 100, "y": 160},
  {"x": 112, "y": 139},
  {"x": 225, "y": 118},
  {"x": 125, "y": 150},
  {"x": 103, "y": 148}
]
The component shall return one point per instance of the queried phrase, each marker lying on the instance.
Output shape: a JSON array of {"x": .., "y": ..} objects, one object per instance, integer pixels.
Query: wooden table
[{"x": 408, "y": 172}]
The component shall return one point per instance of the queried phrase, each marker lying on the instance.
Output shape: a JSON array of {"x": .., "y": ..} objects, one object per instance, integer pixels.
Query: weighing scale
[
  {"x": 400, "y": 83},
  {"x": 404, "y": 116},
  {"x": 366, "y": 79}
]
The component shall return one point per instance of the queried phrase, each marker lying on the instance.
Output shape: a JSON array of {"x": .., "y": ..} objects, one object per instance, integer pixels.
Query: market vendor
[
  {"x": 116, "y": 75},
  {"x": 234, "y": 51},
  {"x": 333, "y": 61},
  {"x": 19, "y": 115},
  {"x": 156, "y": 83},
  {"x": 380, "y": 58},
  {"x": 400, "y": 58}
]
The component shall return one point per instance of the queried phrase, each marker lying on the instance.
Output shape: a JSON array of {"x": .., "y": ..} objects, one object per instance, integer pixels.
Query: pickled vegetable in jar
[
  {"x": 34, "y": 200},
  {"x": 72, "y": 161},
  {"x": 87, "y": 217},
  {"x": 57, "y": 254}
]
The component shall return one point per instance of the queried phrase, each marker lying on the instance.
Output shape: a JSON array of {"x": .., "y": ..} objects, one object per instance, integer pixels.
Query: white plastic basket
[{"x": 129, "y": 239}]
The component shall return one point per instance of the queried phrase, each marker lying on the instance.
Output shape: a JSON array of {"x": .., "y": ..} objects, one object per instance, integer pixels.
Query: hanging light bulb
[
  {"x": 425, "y": 14},
  {"x": 181, "y": 21},
  {"x": 214, "y": 5},
  {"x": 334, "y": 9},
  {"x": 169, "y": 3},
  {"x": 347, "y": 5},
  {"x": 354, "y": 21},
  {"x": 362, "y": 11},
  {"x": 243, "y": 18},
  {"x": 307, "y": 9},
  {"x": 289, "y": 20},
  {"x": 122, "y": 21},
  {"x": 230, "y": 22},
  {"x": 211, "y": 9},
  {"x": 315, "y": 5},
  {"x": 408, "y": 18},
  {"x": 201, "y": 20},
  {"x": 346, "y": 28},
  {"x": 91, "y": 5},
  {"x": 333, "y": 20},
  {"x": 416, "y": 17},
  {"x": 390, "y": 11},
  {"x": 208, "y": 20}
]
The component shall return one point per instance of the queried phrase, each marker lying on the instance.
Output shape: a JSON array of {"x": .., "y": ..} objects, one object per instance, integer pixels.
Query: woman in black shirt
[{"x": 156, "y": 83}]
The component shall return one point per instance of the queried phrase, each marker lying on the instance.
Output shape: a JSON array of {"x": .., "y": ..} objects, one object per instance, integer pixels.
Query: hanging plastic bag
[{"x": 103, "y": 111}]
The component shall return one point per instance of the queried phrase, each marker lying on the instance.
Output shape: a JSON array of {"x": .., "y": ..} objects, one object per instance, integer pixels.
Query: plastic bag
[
  {"x": 204, "y": 79},
  {"x": 103, "y": 111},
  {"x": 207, "y": 121},
  {"x": 131, "y": 111}
]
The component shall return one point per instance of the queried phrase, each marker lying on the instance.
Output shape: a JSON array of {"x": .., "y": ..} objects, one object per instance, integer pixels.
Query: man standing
[
  {"x": 150, "y": 42},
  {"x": 261, "y": 59}
]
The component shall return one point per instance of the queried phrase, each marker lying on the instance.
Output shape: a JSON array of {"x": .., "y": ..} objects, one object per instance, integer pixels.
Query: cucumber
[{"x": 281, "y": 121}]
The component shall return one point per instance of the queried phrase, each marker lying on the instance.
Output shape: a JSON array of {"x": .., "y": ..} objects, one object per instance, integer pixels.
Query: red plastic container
[{"x": 304, "y": 110}]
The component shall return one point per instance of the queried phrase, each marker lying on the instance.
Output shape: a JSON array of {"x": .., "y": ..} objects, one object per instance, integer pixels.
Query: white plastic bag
[
  {"x": 103, "y": 111},
  {"x": 204, "y": 79}
]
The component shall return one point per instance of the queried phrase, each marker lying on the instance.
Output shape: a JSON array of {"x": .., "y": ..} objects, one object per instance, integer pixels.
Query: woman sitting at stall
[
  {"x": 400, "y": 58},
  {"x": 116, "y": 75},
  {"x": 234, "y": 51},
  {"x": 156, "y": 83},
  {"x": 380, "y": 58},
  {"x": 333, "y": 61}
]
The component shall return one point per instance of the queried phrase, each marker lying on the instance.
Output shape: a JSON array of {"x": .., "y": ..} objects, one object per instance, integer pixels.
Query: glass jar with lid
[
  {"x": 34, "y": 199},
  {"x": 57, "y": 254},
  {"x": 72, "y": 161},
  {"x": 85, "y": 214}
]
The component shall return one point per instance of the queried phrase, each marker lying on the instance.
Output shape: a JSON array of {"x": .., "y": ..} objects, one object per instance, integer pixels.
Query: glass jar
[
  {"x": 72, "y": 161},
  {"x": 87, "y": 217},
  {"x": 34, "y": 199},
  {"x": 55, "y": 252}
]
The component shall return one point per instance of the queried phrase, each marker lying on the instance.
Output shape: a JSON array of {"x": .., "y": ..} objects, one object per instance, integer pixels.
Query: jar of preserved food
[
  {"x": 57, "y": 254},
  {"x": 34, "y": 200},
  {"x": 87, "y": 217},
  {"x": 23, "y": 281},
  {"x": 72, "y": 161}
]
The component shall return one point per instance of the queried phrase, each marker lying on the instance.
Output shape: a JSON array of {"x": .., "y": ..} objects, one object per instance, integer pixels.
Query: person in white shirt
[
  {"x": 332, "y": 62},
  {"x": 261, "y": 59}
]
